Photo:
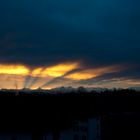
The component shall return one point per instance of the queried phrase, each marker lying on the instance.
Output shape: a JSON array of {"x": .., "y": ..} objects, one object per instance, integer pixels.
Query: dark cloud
[
  {"x": 99, "y": 32},
  {"x": 112, "y": 77}
]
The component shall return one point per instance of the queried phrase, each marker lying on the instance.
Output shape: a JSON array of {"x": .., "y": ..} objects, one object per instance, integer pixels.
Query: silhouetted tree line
[{"x": 45, "y": 112}]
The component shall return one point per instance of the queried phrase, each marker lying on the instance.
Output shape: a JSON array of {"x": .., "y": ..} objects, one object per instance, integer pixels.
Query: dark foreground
[{"x": 39, "y": 112}]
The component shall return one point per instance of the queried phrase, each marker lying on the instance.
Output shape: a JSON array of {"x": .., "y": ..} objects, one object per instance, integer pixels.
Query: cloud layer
[{"x": 97, "y": 33}]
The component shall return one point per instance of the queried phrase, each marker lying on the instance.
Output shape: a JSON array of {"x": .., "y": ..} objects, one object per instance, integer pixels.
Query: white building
[{"x": 83, "y": 130}]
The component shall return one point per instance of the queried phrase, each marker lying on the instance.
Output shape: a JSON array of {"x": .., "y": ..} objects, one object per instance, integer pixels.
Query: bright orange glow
[
  {"x": 36, "y": 72},
  {"x": 92, "y": 73},
  {"x": 37, "y": 87},
  {"x": 59, "y": 70},
  {"x": 14, "y": 69},
  {"x": 10, "y": 81},
  {"x": 54, "y": 71},
  {"x": 81, "y": 76},
  {"x": 11, "y": 74}
]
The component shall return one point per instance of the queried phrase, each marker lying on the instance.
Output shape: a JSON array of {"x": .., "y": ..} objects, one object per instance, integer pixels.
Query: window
[{"x": 75, "y": 137}]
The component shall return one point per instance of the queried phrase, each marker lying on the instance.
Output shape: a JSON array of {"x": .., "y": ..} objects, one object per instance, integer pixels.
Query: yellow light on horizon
[
  {"x": 81, "y": 76},
  {"x": 92, "y": 73},
  {"x": 14, "y": 69},
  {"x": 53, "y": 71},
  {"x": 11, "y": 73},
  {"x": 36, "y": 72},
  {"x": 59, "y": 70}
]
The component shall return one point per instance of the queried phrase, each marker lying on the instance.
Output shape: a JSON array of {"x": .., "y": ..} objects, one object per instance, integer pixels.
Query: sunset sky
[{"x": 52, "y": 43}]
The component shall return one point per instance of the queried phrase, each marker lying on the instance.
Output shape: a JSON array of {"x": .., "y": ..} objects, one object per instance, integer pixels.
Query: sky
[{"x": 51, "y": 43}]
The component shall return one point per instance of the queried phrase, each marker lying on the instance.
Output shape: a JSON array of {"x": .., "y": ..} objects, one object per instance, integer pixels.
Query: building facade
[{"x": 83, "y": 130}]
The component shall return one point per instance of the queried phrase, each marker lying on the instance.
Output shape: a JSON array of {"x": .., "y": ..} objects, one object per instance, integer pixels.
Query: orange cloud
[
  {"x": 92, "y": 73},
  {"x": 36, "y": 72},
  {"x": 9, "y": 74},
  {"x": 15, "y": 72},
  {"x": 14, "y": 69},
  {"x": 81, "y": 76},
  {"x": 59, "y": 70}
]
